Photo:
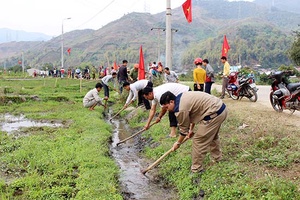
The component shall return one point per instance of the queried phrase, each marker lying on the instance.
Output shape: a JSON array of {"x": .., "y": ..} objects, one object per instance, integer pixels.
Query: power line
[{"x": 96, "y": 14}]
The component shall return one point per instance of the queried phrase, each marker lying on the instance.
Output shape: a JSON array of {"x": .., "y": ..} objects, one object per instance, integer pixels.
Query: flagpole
[{"x": 168, "y": 36}]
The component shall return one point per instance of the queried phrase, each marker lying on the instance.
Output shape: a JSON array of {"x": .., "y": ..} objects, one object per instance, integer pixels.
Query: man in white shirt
[
  {"x": 170, "y": 76},
  {"x": 154, "y": 95},
  {"x": 105, "y": 81},
  {"x": 135, "y": 91},
  {"x": 91, "y": 99}
]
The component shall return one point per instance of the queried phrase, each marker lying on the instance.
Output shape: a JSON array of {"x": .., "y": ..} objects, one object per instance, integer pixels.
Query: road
[{"x": 263, "y": 96}]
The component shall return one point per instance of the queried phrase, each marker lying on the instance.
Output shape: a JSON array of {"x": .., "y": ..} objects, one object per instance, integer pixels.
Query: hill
[
  {"x": 256, "y": 34},
  {"x": 8, "y": 35}
]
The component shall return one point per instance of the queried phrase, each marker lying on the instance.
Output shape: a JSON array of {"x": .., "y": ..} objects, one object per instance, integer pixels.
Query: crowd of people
[{"x": 185, "y": 107}]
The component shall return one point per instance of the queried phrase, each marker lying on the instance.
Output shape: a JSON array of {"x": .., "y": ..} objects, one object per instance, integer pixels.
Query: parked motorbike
[
  {"x": 284, "y": 95},
  {"x": 241, "y": 87}
]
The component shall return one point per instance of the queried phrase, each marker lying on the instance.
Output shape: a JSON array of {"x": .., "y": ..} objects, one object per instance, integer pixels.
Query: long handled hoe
[
  {"x": 161, "y": 158},
  {"x": 139, "y": 132}
]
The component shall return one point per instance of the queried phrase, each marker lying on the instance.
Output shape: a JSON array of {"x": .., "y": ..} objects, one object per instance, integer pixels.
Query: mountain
[
  {"x": 256, "y": 35},
  {"x": 284, "y": 5},
  {"x": 8, "y": 35}
]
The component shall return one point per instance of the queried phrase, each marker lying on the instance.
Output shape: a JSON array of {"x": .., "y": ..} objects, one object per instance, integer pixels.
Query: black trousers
[
  {"x": 201, "y": 87},
  {"x": 172, "y": 119}
]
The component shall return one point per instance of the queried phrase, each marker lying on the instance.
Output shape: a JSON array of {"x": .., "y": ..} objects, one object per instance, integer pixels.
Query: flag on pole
[
  {"x": 69, "y": 51},
  {"x": 141, "y": 65},
  {"x": 115, "y": 66},
  {"x": 187, "y": 10},
  {"x": 225, "y": 47}
]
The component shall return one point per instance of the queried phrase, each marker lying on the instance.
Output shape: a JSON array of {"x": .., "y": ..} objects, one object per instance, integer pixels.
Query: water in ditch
[
  {"x": 13, "y": 124},
  {"x": 134, "y": 184}
]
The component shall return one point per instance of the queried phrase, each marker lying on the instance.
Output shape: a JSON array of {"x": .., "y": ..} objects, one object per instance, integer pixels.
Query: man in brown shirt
[{"x": 195, "y": 107}]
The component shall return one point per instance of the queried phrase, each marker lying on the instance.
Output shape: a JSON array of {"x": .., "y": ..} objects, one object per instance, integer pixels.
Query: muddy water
[
  {"x": 134, "y": 184},
  {"x": 12, "y": 124}
]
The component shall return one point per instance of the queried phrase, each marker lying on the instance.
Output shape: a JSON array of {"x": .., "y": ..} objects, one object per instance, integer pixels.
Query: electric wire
[{"x": 97, "y": 14}]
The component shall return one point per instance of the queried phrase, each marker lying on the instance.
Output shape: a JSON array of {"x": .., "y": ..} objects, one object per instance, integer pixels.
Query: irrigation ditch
[{"x": 133, "y": 183}]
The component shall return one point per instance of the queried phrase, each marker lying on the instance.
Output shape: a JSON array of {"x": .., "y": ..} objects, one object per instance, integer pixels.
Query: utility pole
[
  {"x": 62, "y": 42},
  {"x": 158, "y": 40},
  {"x": 168, "y": 36},
  {"x": 23, "y": 69}
]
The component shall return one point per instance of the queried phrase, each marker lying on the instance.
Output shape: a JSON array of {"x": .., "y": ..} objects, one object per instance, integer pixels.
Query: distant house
[{"x": 31, "y": 71}]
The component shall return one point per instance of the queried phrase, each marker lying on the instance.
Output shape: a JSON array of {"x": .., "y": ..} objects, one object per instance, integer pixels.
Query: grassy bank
[
  {"x": 261, "y": 157},
  {"x": 261, "y": 149},
  {"x": 56, "y": 163}
]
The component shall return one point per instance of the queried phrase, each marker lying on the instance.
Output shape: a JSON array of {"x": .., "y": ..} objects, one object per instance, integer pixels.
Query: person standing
[
  {"x": 105, "y": 81},
  {"x": 93, "y": 72},
  {"x": 62, "y": 72},
  {"x": 170, "y": 76},
  {"x": 210, "y": 79},
  {"x": 72, "y": 73},
  {"x": 152, "y": 73},
  {"x": 91, "y": 99},
  {"x": 204, "y": 109},
  {"x": 122, "y": 75},
  {"x": 154, "y": 94},
  {"x": 134, "y": 72},
  {"x": 199, "y": 75},
  {"x": 160, "y": 68},
  {"x": 226, "y": 71},
  {"x": 136, "y": 91}
]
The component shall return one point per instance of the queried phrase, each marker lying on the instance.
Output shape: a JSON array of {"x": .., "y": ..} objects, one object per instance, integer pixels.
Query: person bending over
[{"x": 209, "y": 112}]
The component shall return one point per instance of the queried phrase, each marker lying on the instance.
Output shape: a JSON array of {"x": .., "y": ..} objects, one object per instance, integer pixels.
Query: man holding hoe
[
  {"x": 135, "y": 91},
  {"x": 154, "y": 95},
  {"x": 206, "y": 110}
]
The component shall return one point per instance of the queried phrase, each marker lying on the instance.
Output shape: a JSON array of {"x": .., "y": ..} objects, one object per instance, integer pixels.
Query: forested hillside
[{"x": 256, "y": 35}]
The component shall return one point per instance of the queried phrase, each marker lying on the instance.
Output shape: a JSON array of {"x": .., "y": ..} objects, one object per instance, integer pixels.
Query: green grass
[
  {"x": 258, "y": 160},
  {"x": 261, "y": 161},
  {"x": 70, "y": 162}
]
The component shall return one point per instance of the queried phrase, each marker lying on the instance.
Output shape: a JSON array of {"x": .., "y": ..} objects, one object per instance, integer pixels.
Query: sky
[{"x": 51, "y": 16}]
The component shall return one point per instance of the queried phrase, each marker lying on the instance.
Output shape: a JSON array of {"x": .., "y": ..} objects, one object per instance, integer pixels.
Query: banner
[
  {"x": 141, "y": 65},
  {"x": 187, "y": 10},
  {"x": 225, "y": 47}
]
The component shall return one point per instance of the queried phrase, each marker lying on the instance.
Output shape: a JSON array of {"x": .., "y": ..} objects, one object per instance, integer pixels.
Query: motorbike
[
  {"x": 284, "y": 95},
  {"x": 241, "y": 87}
]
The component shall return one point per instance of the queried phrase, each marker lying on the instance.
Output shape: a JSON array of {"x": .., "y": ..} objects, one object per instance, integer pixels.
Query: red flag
[
  {"x": 141, "y": 65},
  {"x": 115, "y": 66},
  {"x": 69, "y": 51},
  {"x": 187, "y": 9},
  {"x": 225, "y": 47}
]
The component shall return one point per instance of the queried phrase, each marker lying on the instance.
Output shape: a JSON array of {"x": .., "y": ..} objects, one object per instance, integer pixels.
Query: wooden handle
[
  {"x": 162, "y": 157},
  {"x": 117, "y": 113},
  {"x": 157, "y": 161},
  {"x": 122, "y": 141}
]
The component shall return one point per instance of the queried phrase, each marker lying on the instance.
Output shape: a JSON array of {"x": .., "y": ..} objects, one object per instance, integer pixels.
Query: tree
[{"x": 294, "y": 52}]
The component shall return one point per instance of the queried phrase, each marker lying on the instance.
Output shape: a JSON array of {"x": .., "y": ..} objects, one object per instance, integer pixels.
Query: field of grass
[
  {"x": 70, "y": 162},
  {"x": 261, "y": 149}
]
